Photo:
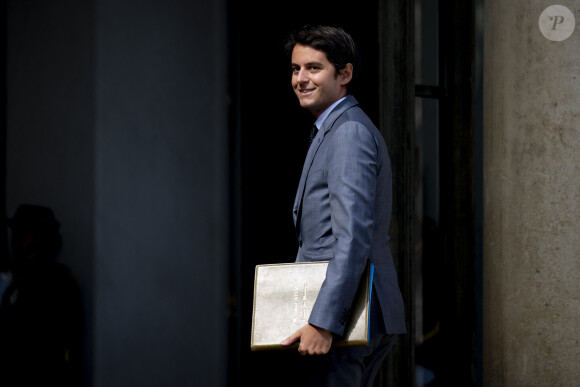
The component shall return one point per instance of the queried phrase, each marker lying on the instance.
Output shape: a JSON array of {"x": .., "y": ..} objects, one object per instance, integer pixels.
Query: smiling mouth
[{"x": 306, "y": 91}]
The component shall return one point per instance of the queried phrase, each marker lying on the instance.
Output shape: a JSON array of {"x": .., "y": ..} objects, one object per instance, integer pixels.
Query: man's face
[{"x": 315, "y": 81}]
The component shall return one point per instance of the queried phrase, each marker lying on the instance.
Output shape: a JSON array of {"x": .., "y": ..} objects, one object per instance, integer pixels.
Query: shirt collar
[{"x": 322, "y": 117}]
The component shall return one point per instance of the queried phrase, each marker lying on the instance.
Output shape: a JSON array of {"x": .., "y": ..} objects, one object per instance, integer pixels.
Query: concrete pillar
[{"x": 531, "y": 193}]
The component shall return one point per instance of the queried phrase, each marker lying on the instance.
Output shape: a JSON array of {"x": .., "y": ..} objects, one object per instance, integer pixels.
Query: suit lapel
[{"x": 326, "y": 126}]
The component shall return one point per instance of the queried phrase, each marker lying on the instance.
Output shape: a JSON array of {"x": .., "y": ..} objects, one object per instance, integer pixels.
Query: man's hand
[{"x": 313, "y": 340}]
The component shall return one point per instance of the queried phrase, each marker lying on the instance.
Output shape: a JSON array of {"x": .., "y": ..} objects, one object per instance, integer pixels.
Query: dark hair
[{"x": 336, "y": 43}]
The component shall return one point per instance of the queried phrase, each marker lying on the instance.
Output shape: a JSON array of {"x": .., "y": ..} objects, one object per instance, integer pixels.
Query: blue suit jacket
[{"x": 343, "y": 207}]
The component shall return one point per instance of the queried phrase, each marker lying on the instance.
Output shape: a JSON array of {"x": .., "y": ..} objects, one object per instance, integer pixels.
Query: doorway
[{"x": 268, "y": 146}]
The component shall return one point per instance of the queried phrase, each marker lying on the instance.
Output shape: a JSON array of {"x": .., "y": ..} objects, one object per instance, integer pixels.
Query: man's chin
[{"x": 306, "y": 105}]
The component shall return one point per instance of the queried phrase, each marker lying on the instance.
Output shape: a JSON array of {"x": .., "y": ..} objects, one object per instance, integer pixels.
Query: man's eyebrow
[{"x": 309, "y": 64}]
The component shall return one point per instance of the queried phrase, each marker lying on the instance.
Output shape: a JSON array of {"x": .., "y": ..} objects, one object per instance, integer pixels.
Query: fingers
[
  {"x": 313, "y": 349},
  {"x": 314, "y": 341},
  {"x": 291, "y": 339}
]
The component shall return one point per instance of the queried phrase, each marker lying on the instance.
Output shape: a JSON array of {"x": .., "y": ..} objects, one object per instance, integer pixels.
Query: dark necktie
[{"x": 313, "y": 132}]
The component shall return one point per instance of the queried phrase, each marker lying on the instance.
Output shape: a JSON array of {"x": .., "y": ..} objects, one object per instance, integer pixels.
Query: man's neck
[{"x": 320, "y": 120}]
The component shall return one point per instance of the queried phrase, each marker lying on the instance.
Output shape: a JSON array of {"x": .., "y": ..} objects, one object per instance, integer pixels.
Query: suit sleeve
[{"x": 352, "y": 173}]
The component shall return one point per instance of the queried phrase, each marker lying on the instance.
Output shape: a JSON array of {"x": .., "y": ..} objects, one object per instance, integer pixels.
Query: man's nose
[{"x": 302, "y": 76}]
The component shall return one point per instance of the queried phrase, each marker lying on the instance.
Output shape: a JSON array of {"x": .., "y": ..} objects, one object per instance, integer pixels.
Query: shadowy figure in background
[{"x": 40, "y": 310}]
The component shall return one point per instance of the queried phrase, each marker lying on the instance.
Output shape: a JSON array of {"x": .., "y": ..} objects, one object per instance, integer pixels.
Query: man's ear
[{"x": 346, "y": 74}]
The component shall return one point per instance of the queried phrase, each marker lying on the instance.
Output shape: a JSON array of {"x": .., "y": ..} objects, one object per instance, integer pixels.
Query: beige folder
[{"x": 284, "y": 295}]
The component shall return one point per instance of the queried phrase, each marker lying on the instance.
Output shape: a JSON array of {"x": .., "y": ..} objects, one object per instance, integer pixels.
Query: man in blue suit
[{"x": 342, "y": 211}]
